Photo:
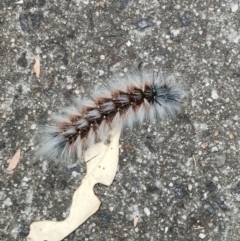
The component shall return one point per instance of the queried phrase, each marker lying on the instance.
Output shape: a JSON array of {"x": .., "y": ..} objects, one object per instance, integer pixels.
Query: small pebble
[
  {"x": 65, "y": 59},
  {"x": 24, "y": 22},
  {"x": 210, "y": 225},
  {"x": 204, "y": 145},
  {"x": 36, "y": 19},
  {"x": 62, "y": 184},
  {"x": 220, "y": 202},
  {"x": 202, "y": 235},
  {"x": 207, "y": 209},
  {"x": 178, "y": 191},
  {"x": 24, "y": 229},
  {"x": 147, "y": 211},
  {"x": 71, "y": 33},
  {"x": 216, "y": 229},
  {"x": 214, "y": 95},
  {"x": 115, "y": 59},
  {"x": 22, "y": 61},
  {"x": 234, "y": 7},
  {"x": 40, "y": 3},
  {"x": 128, "y": 43},
  {"x": 211, "y": 187},
  {"x": 231, "y": 136},
  {"x": 142, "y": 24},
  {"x": 236, "y": 189},
  {"x": 123, "y": 4},
  {"x": 74, "y": 174},
  {"x": 101, "y": 4},
  {"x": 79, "y": 74},
  {"x": 33, "y": 126},
  {"x": 101, "y": 72},
  {"x": 215, "y": 179},
  {"x": 186, "y": 18},
  {"x": 7, "y": 202},
  {"x": 2, "y": 145}
]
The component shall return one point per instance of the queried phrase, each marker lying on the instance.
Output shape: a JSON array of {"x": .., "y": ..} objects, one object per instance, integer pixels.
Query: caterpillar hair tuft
[{"x": 122, "y": 102}]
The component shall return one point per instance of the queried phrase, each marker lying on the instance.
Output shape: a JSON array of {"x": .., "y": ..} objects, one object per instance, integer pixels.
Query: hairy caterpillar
[{"x": 127, "y": 100}]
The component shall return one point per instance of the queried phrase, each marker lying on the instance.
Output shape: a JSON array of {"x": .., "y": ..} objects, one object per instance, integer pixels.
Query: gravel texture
[{"x": 180, "y": 177}]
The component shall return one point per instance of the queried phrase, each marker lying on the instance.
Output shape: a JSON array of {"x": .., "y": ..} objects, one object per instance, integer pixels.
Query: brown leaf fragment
[
  {"x": 135, "y": 221},
  {"x": 36, "y": 66},
  {"x": 204, "y": 145},
  {"x": 216, "y": 132},
  {"x": 14, "y": 161}
]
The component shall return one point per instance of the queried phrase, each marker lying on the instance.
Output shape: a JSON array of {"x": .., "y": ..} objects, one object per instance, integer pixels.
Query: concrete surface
[{"x": 181, "y": 177}]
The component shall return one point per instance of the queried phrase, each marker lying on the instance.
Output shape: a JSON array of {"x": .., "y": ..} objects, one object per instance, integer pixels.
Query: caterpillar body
[{"x": 123, "y": 102}]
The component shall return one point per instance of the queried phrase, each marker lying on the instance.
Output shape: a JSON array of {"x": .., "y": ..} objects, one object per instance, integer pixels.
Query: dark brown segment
[
  {"x": 107, "y": 109},
  {"x": 148, "y": 94}
]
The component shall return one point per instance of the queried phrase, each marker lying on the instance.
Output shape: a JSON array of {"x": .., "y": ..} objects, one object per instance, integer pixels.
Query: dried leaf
[
  {"x": 135, "y": 221},
  {"x": 102, "y": 163},
  {"x": 14, "y": 161},
  {"x": 36, "y": 67}
]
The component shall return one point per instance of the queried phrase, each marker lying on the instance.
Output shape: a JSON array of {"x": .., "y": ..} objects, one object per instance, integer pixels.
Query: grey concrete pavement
[{"x": 181, "y": 177}]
